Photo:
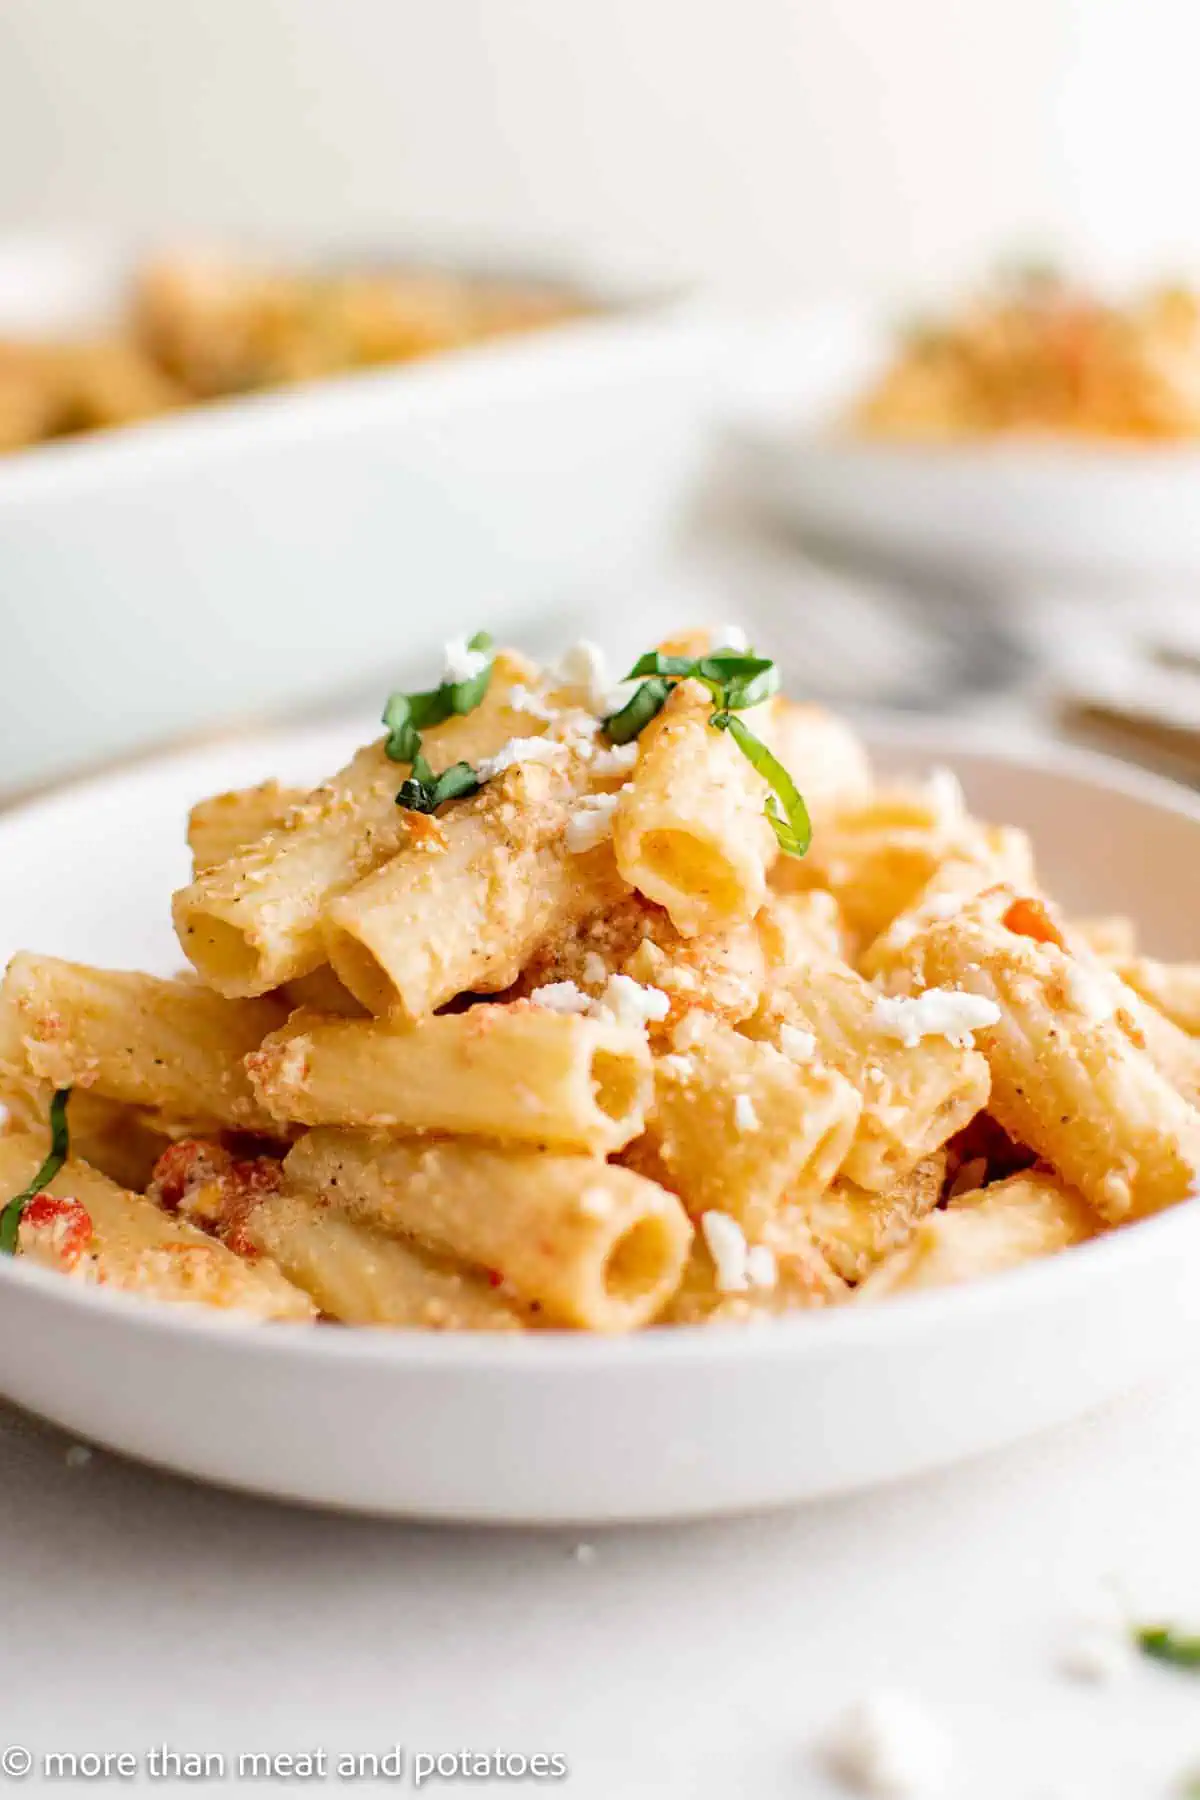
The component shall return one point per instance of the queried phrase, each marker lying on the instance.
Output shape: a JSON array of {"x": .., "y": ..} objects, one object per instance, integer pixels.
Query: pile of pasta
[
  {"x": 579, "y": 1039},
  {"x": 1037, "y": 354}
]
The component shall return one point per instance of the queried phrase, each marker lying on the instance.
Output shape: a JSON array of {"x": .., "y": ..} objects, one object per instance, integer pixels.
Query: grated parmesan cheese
[
  {"x": 798, "y": 1045},
  {"x": 891, "y": 1747},
  {"x": 761, "y": 1268},
  {"x": 738, "y": 1266},
  {"x": 529, "y": 700},
  {"x": 591, "y": 822},
  {"x": 462, "y": 663},
  {"x": 744, "y": 1116},
  {"x": 730, "y": 637},
  {"x": 938, "y": 1012},
  {"x": 519, "y": 750}
]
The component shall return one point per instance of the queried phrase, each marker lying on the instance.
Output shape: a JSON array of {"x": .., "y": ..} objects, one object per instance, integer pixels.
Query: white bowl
[
  {"x": 985, "y": 515},
  {"x": 216, "y": 566},
  {"x": 557, "y": 1428}
]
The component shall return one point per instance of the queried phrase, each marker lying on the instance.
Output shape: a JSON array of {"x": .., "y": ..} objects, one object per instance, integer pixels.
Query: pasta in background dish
[{"x": 542, "y": 1013}]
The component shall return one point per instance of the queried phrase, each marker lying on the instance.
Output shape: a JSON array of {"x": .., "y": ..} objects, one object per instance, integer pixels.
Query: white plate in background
[
  {"x": 560, "y": 1427},
  {"x": 986, "y": 515}
]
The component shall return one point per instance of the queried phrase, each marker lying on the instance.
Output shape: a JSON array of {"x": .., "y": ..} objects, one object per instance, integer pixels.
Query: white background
[
  {"x": 765, "y": 145},
  {"x": 697, "y": 1662}
]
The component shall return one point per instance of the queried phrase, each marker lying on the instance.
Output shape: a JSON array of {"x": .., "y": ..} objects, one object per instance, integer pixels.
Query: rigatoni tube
[
  {"x": 467, "y": 916},
  {"x": 172, "y": 1046},
  {"x": 591, "y": 1244},
  {"x": 254, "y": 922},
  {"x": 516, "y": 1072}
]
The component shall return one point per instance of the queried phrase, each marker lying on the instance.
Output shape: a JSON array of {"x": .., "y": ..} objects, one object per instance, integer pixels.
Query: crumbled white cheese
[
  {"x": 620, "y": 760},
  {"x": 626, "y": 1002},
  {"x": 585, "y": 666},
  {"x": 738, "y": 1265},
  {"x": 730, "y": 637},
  {"x": 874, "y": 1074},
  {"x": 1096, "y": 1654},
  {"x": 595, "y": 969},
  {"x": 1091, "y": 992},
  {"x": 761, "y": 1269},
  {"x": 590, "y": 822},
  {"x": 561, "y": 997},
  {"x": 519, "y": 750},
  {"x": 595, "y": 1203},
  {"x": 623, "y": 1002},
  {"x": 891, "y": 1747},
  {"x": 463, "y": 663},
  {"x": 946, "y": 796},
  {"x": 529, "y": 700},
  {"x": 938, "y": 1012},
  {"x": 728, "y": 1248},
  {"x": 744, "y": 1116},
  {"x": 681, "y": 1067},
  {"x": 941, "y": 906},
  {"x": 798, "y": 1045},
  {"x": 78, "y": 1456}
]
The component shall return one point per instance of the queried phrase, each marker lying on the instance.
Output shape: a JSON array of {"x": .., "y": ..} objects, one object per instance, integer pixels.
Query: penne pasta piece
[
  {"x": 104, "y": 1236},
  {"x": 889, "y": 957},
  {"x": 739, "y": 1127},
  {"x": 690, "y": 831},
  {"x": 854, "y": 1228},
  {"x": 984, "y": 1233},
  {"x": 225, "y": 824},
  {"x": 254, "y": 922},
  {"x": 122, "y": 1142},
  {"x": 915, "y": 1095},
  {"x": 1067, "y": 1078},
  {"x": 1173, "y": 989},
  {"x": 876, "y": 855},
  {"x": 592, "y": 1244},
  {"x": 171, "y": 1046},
  {"x": 517, "y": 1072},
  {"x": 467, "y": 918},
  {"x": 794, "y": 926},
  {"x": 361, "y": 1276}
]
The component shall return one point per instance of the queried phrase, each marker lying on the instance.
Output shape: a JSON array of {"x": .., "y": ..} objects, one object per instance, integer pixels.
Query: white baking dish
[{"x": 218, "y": 565}]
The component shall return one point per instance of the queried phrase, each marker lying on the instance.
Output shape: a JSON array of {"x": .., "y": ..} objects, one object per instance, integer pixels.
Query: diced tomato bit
[
  {"x": 186, "y": 1165},
  {"x": 1031, "y": 919},
  {"x": 495, "y": 1278},
  {"x": 58, "y": 1231}
]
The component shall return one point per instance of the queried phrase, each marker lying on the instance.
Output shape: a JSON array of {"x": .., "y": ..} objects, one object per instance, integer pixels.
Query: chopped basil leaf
[
  {"x": 406, "y": 715},
  {"x": 655, "y": 663},
  {"x": 623, "y": 726},
  {"x": 734, "y": 677},
  {"x": 1164, "y": 1645},
  {"x": 424, "y": 791},
  {"x": 60, "y": 1149},
  {"x": 792, "y": 826}
]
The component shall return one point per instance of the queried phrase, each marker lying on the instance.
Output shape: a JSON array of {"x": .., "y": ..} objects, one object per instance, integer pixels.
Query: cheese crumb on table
[
  {"x": 1097, "y": 1655},
  {"x": 938, "y": 1012},
  {"x": 891, "y": 1747},
  {"x": 78, "y": 1456}
]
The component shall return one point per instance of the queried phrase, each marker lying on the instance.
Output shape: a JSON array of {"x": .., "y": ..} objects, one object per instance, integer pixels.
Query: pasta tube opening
[
  {"x": 361, "y": 972},
  {"x": 619, "y": 1088},
  {"x": 640, "y": 1264},
  {"x": 681, "y": 865},
  {"x": 223, "y": 955}
]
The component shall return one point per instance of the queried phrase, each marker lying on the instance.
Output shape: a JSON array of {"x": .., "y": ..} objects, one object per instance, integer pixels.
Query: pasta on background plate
[{"x": 566, "y": 1006}]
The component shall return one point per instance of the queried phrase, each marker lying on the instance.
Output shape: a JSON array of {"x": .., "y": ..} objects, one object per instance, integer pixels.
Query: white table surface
[{"x": 696, "y": 1661}]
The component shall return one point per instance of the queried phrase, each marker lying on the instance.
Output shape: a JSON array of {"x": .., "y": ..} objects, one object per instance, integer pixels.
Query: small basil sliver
[
  {"x": 60, "y": 1149},
  {"x": 632, "y": 719},
  {"x": 790, "y": 823},
  {"x": 655, "y": 663},
  {"x": 1163, "y": 1645},
  {"x": 457, "y": 782}
]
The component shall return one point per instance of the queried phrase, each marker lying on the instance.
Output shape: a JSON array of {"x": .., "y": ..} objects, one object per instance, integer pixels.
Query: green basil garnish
[
  {"x": 792, "y": 826},
  {"x": 408, "y": 715},
  {"x": 60, "y": 1149},
  {"x": 632, "y": 719},
  {"x": 1164, "y": 1645}
]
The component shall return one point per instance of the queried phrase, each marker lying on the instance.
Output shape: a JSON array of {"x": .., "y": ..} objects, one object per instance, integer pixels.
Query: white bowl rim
[{"x": 556, "y": 1351}]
